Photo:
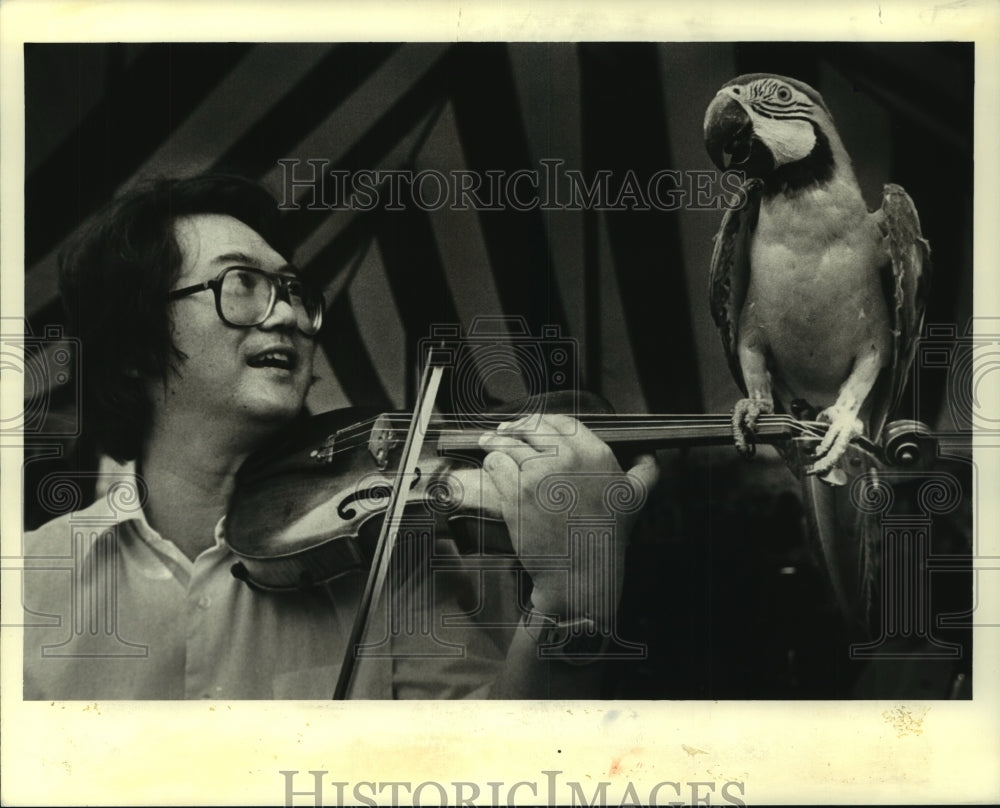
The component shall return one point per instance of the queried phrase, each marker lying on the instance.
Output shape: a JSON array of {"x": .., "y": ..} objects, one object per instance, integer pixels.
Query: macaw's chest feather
[{"x": 815, "y": 300}]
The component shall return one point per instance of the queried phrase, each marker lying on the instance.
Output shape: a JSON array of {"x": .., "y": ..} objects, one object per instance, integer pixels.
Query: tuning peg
[{"x": 910, "y": 444}]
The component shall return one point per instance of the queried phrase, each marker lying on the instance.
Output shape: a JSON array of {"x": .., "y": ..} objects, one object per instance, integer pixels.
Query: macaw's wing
[
  {"x": 906, "y": 280},
  {"x": 730, "y": 273}
]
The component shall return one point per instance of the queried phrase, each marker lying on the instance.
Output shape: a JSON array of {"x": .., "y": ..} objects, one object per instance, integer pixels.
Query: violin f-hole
[{"x": 375, "y": 492}]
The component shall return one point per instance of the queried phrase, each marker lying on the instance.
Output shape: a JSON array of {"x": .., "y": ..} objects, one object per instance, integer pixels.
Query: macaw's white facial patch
[{"x": 787, "y": 140}]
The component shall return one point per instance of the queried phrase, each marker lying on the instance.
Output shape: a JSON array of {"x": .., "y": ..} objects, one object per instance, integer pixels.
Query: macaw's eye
[{"x": 784, "y": 94}]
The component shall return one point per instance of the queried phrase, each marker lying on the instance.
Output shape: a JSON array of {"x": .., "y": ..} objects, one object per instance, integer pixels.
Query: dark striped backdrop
[{"x": 627, "y": 288}]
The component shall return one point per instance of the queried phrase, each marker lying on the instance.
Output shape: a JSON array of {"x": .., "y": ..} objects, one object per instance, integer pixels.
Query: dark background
[{"x": 628, "y": 289}]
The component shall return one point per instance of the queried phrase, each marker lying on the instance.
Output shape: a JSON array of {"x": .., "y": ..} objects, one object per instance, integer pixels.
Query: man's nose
[{"x": 283, "y": 314}]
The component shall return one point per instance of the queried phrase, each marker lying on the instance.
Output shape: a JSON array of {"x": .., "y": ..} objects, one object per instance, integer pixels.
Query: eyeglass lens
[{"x": 246, "y": 299}]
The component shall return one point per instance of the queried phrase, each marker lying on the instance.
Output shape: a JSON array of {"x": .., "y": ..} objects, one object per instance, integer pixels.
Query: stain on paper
[{"x": 905, "y": 721}]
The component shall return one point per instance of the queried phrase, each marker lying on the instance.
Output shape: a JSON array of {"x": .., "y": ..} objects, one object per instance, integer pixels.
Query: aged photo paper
[{"x": 557, "y": 182}]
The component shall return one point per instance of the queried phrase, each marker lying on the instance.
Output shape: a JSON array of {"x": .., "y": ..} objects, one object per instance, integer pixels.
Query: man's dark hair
[{"x": 114, "y": 282}]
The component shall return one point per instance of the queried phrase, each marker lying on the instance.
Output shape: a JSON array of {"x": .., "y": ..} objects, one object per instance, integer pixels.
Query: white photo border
[{"x": 233, "y": 753}]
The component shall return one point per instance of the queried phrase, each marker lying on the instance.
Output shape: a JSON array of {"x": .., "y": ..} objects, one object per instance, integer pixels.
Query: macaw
[{"x": 819, "y": 301}]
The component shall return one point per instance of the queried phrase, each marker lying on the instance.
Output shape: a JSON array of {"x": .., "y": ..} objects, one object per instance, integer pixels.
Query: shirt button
[{"x": 204, "y": 602}]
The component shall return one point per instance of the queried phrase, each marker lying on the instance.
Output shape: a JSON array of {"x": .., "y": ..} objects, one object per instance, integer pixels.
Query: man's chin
[{"x": 274, "y": 413}]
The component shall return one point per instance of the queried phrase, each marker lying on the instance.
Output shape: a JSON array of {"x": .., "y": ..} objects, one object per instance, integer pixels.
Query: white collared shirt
[{"x": 113, "y": 610}]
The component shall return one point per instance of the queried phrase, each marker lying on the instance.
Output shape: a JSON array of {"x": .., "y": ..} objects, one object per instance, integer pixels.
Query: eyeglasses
[{"x": 245, "y": 297}]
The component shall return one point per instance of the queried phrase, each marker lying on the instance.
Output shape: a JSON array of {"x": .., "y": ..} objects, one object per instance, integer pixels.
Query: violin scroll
[{"x": 909, "y": 444}]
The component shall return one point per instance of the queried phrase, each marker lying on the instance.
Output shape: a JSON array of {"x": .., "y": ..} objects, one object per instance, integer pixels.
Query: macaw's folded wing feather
[
  {"x": 730, "y": 272},
  {"x": 907, "y": 280}
]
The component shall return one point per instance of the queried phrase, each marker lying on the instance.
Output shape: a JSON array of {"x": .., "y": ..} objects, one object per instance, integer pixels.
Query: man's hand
[{"x": 569, "y": 508}]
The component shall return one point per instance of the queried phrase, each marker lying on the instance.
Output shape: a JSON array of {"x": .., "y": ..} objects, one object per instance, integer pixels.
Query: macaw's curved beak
[{"x": 728, "y": 133}]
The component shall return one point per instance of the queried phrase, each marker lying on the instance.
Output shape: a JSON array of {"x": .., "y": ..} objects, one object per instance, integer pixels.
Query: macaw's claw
[
  {"x": 835, "y": 477},
  {"x": 844, "y": 427},
  {"x": 745, "y": 415}
]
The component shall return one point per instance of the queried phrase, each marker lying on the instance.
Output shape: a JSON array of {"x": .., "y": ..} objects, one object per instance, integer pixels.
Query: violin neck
[
  {"x": 658, "y": 432},
  {"x": 662, "y": 431}
]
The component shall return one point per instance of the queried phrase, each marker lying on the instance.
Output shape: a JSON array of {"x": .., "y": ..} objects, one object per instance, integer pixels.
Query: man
[{"x": 197, "y": 341}]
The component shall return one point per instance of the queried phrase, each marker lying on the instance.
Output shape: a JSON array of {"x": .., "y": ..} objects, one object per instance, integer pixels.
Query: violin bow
[{"x": 430, "y": 381}]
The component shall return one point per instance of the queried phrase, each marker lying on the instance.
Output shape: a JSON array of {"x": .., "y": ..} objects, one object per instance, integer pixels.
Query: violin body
[{"x": 299, "y": 518}]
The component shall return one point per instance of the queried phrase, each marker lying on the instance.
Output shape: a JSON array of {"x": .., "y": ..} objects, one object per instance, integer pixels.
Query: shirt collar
[{"x": 121, "y": 494}]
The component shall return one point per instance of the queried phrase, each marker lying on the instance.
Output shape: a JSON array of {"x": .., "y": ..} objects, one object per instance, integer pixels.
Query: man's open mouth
[{"x": 283, "y": 358}]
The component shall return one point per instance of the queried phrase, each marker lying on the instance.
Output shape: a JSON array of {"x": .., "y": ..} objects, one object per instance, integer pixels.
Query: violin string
[
  {"x": 629, "y": 423},
  {"x": 456, "y": 427}
]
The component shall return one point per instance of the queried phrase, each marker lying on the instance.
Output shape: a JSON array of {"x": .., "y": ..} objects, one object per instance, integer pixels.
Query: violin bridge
[
  {"x": 324, "y": 454},
  {"x": 381, "y": 441}
]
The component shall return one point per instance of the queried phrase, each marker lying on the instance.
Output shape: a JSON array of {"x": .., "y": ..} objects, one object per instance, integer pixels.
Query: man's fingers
[
  {"x": 542, "y": 431},
  {"x": 503, "y": 470},
  {"x": 646, "y": 471},
  {"x": 509, "y": 445},
  {"x": 502, "y": 475},
  {"x": 502, "y": 464}
]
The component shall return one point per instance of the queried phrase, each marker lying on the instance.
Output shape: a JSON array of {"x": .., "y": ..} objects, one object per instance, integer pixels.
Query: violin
[{"x": 308, "y": 507}]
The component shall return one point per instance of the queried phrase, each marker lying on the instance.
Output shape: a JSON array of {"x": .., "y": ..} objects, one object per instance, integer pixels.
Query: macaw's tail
[
  {"x": 845, "y": 532},
  {"x": 869, "y": 531}
]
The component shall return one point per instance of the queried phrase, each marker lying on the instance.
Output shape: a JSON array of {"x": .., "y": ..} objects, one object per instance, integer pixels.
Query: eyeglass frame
[{"x": 279, "y": 285}]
